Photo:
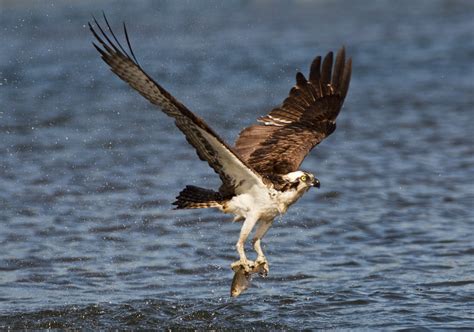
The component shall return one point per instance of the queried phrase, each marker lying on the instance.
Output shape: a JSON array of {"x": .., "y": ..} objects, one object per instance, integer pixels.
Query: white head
[{"x": 301, "y": 180}]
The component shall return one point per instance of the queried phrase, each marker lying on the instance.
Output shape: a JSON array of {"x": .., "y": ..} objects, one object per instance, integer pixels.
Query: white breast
[
  {"x": 264, "y": 203},
  {"x": 256, "y": 202},
  {"x": 287, "y": 198}
]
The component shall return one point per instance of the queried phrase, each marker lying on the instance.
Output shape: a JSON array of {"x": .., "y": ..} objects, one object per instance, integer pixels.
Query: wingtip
[
  {"x": 93, "y": 17},
  {"x": 300, "y": 79},
  {"x": 315, "y": 69},
  {"x": 101, "y": 51},
  {"x": 342, "y": 51},
  {"x": 95, "y": 20},
  {"x": 326, "y": 69}
]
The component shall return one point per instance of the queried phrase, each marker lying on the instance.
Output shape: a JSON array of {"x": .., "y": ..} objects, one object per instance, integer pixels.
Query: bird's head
[{"x": 302, "y": 180}]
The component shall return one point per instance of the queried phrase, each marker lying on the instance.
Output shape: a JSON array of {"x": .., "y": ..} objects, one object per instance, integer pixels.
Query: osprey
[{"x": 260, "y": 175}]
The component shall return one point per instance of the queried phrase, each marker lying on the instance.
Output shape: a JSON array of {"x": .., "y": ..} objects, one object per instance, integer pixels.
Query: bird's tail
[{"x": 193, "y": 197}]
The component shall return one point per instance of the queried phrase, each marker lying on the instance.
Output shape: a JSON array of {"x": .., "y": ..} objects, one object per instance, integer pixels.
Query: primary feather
[{"x": 285, "y": 136}]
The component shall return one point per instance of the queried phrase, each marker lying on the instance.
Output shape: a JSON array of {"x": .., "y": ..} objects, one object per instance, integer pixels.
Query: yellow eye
[{"x": 303, "y": 178}]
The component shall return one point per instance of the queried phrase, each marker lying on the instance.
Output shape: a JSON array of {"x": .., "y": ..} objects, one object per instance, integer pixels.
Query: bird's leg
[
  {"x": 259, "y": 234},
  {"x": 244, "y": 263}
]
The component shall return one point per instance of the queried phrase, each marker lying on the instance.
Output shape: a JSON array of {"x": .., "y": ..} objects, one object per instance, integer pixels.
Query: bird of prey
[{"x": 260, "y": 174}]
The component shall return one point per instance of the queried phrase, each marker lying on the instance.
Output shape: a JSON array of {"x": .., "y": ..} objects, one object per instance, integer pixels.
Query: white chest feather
[{"x": 264, "y": 204}]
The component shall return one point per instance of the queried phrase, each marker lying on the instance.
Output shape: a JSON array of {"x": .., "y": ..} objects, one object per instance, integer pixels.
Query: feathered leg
[
  {"x": 244, "y": 263},
  {"x": 244, "y": 269},
  {"x": 259, "y": 234}
]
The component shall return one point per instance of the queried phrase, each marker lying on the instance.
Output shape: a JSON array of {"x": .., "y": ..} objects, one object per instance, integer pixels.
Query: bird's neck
[{"x": 287, "y": 198}]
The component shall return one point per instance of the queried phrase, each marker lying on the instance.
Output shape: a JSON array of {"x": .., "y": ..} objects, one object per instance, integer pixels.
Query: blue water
[{"x": 88, "y": 169}]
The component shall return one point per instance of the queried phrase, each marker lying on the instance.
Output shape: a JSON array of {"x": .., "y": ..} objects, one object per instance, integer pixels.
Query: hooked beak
[{"x": 316, "y": 183}]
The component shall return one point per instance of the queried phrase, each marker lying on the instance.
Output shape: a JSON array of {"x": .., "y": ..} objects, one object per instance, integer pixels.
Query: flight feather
[
  {"x": 234, "y": 172},
  {"x": 283, "y": 138}
]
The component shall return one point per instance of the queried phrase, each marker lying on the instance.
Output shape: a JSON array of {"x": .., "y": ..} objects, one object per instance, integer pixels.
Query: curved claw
[
  {"x": 262, "y": 267},
  {"x": 243, "y": 264},
  {"x": 244, "y": 269}
]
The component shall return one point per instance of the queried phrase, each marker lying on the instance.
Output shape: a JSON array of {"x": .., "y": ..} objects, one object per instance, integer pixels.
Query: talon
[
  {"x": 261, "y": 265},
  {"x": 245, "y": 264}
]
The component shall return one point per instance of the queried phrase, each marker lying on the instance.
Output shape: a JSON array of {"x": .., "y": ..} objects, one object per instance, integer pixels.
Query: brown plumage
[
  {"x": 232, "y": 170},
  {"x": 263, "y": 151},
  {"x": 193, "y": 197},
  {"x": 286, "y": 135}
]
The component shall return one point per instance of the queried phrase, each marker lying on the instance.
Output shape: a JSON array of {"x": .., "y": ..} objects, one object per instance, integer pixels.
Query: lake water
[{"x": 88, "y": 169}]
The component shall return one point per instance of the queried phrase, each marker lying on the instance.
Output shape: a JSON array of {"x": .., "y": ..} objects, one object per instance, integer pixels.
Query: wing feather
[
  {"x": 288, "y": 133},
  {"x": 326, "y": 70},
  {"x": 237, "y": 175}
]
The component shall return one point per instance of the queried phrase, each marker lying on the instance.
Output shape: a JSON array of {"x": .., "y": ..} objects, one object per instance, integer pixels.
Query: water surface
[{"x": 88, "y": 169}]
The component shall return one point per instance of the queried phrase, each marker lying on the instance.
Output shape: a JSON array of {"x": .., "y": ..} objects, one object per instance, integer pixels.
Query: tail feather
[{"x": 193, "y": 197}]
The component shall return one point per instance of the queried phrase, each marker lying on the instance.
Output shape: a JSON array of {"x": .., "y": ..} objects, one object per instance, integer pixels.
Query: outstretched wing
[
  {"x": 306, "y": 117},
  {"x": 236, "y": 174}
]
